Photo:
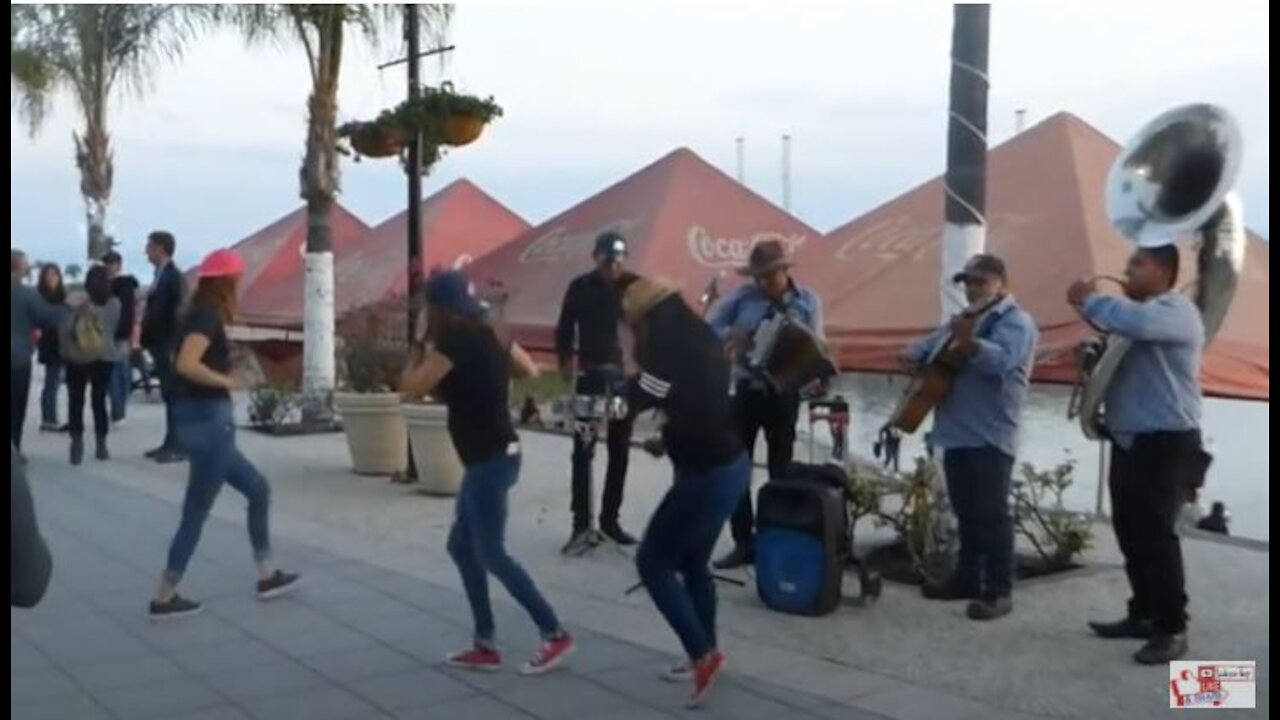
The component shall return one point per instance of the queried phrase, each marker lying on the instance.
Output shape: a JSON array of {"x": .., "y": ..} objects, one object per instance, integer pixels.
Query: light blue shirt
[
  {"x": 1157, "y": 384},
  {"x": 747, "y": 306},
  {"x": 987, "y": 396}
]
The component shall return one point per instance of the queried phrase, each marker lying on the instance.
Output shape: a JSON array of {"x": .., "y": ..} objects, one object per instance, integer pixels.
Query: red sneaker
[
  {"x": 705, "y": 674},
  {"x": 551, "y": 655},
  {"x": 477, "y": 658}
]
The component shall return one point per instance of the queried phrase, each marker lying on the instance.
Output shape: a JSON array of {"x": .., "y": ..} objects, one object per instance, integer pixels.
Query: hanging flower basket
[
  {"x": 444, "y": 116},
  {"x": 376, "y": 139},
  {"x": 462, "y": 130},
  {"x": 440, "y": 116}
]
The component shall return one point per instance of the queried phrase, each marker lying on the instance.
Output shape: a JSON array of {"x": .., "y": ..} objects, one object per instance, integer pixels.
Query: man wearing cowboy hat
[
  {"x": 756, "y": 406},
  {"x": 588, "y": 332}
]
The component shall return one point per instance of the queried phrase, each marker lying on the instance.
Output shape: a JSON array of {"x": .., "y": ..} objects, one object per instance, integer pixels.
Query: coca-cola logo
[
  {"x": 558, "y": 244},
  {"x": 890, "y": 240},
  {"x": 724, "y": 252},
  {"x": 907, "y": 239}
]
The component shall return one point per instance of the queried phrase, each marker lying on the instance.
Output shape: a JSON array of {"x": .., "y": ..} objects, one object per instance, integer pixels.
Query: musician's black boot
[
  {"x": 613, "y": 531},
  {"x": 580, "y": 542},
  {"x": 1162, "y": 649},
  {"x": 953, "y": 589},
  {"x": 990, "y": 608},
  {"x": 1128, "y": 628},
  {"x": 738, "y": 557}
]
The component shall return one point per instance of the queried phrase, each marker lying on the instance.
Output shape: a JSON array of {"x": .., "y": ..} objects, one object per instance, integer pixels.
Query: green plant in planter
[
  {"x": 1057, "y": 534},
  {"x": 372, "y": 366},
  {"x": 272, "y": 404}
]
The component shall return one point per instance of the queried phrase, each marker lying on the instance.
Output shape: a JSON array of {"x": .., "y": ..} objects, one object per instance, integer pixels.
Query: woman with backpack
[
  {"x": 205, "y": 430},
  {"x": 89, "y": 351},
  {"x": 54, "y": 292}
]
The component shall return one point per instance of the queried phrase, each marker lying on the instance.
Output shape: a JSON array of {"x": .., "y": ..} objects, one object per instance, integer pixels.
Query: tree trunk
[
  {"x": 319, "y": 186},
  {"x": 94, "y": 160}
]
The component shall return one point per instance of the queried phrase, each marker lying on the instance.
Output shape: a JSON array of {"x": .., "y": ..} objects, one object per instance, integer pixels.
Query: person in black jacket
[
  {"x": 590, "y": 316},
  {"x": 683, "y": 373},
  {"x": 125, "y": 289},
  {"x": 159, "y": 325},
  {"x": 51, "y": 288},
  {"x": 30, "y": 565}
]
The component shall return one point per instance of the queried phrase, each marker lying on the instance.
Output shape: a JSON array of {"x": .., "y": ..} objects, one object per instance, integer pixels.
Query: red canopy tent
[
  {"x": 684, "y": 219},
  {"x": 459, "y": 223},
  {"x": 1046, "y": 217}
]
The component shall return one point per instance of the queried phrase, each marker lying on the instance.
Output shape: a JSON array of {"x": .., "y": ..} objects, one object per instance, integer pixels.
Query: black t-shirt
[
  {"x": 684, "y": 373},
  {"x": 203, "y": 321},
  {"x": 125, "y": 289},
  {"x": 476, "y": 390}
]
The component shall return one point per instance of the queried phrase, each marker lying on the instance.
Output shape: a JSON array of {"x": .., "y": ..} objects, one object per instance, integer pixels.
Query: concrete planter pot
[
  {"x": 375, "y": 430},
  {"x": 439, "y": 469}
]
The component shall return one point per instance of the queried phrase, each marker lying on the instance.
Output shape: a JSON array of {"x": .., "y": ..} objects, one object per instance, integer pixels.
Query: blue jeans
[
  {"x": 477, "y": 546},
  {"x": 205, "y": 430},
  {"x": 49, "y": 394},
  {"x": 679, "y": 541},
  {"x": 979, "y": 481},
  {"x": 121, "y": 379}
]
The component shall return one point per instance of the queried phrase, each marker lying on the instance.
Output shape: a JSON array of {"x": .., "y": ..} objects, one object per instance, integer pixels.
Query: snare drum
[{"x": 598, "y": 407}]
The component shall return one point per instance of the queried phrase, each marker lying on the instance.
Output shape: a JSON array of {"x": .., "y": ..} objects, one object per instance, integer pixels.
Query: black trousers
[
  {"x": 1148, "y": 486},
  {"x": 96, "y": 378},
  {"x": 162, "y": 355},
  {"x": 979, "y": 481},
  {"x": 618, "y": 444},
  {"x": 756, "y": 409},
  {"x": 19, "y": 396}
]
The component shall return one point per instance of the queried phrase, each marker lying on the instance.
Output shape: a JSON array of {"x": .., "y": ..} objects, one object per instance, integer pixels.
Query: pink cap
[{"x": 222, "y": 263}]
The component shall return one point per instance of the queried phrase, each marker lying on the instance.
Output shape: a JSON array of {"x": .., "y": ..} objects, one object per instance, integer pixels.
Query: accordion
[{"x": 787, "y": 356}]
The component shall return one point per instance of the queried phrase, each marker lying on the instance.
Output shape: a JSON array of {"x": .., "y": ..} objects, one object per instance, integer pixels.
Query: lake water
[{"x": 1236, "y": 432}]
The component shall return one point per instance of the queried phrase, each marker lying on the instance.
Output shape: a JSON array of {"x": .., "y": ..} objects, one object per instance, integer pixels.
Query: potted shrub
[
  {"x": 437, "y": 462},
  {"x": 368, "y": 400}
]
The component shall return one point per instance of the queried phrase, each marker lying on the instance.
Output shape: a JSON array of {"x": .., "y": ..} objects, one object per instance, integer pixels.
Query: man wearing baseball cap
[
  {"x": 588, "y": 333},
  {"x": 975, "y": 425},
  {"x": 756, "y": 405}
]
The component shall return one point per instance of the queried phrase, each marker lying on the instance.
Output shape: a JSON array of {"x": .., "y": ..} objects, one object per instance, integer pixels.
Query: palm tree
[
  {"x": 322, "y": 30},
  {"x": 94, "y": 52}
]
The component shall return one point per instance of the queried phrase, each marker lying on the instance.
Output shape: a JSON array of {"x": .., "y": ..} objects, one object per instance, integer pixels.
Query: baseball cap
[
  {"x": 222, "y": 263},
  {"x": 611, "y": 245},
  {"x": 452, "y": 291},
  {"x": 984, "y": 264}
]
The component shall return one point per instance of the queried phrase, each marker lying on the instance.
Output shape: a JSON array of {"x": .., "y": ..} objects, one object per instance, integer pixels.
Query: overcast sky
[{"x": 594, "y": 91}]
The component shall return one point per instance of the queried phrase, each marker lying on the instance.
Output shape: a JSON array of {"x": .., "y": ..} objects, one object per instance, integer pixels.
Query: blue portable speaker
[{"x": 800, "y": 538}]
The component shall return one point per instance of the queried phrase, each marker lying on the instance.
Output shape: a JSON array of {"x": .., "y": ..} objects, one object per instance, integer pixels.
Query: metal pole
[
  {"x": 1102, "y": 478},
  {"x": 742, "y": 170},
  {"x": 786, "y": 173},
  {"x": 413, "y": 167}
]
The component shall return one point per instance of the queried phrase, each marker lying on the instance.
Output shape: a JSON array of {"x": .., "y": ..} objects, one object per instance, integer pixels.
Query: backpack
[{"x": 83, "y": 340}]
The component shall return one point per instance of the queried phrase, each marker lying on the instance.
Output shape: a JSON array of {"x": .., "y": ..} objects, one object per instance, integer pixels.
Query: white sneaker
[{"x": 680, "y": 672}]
